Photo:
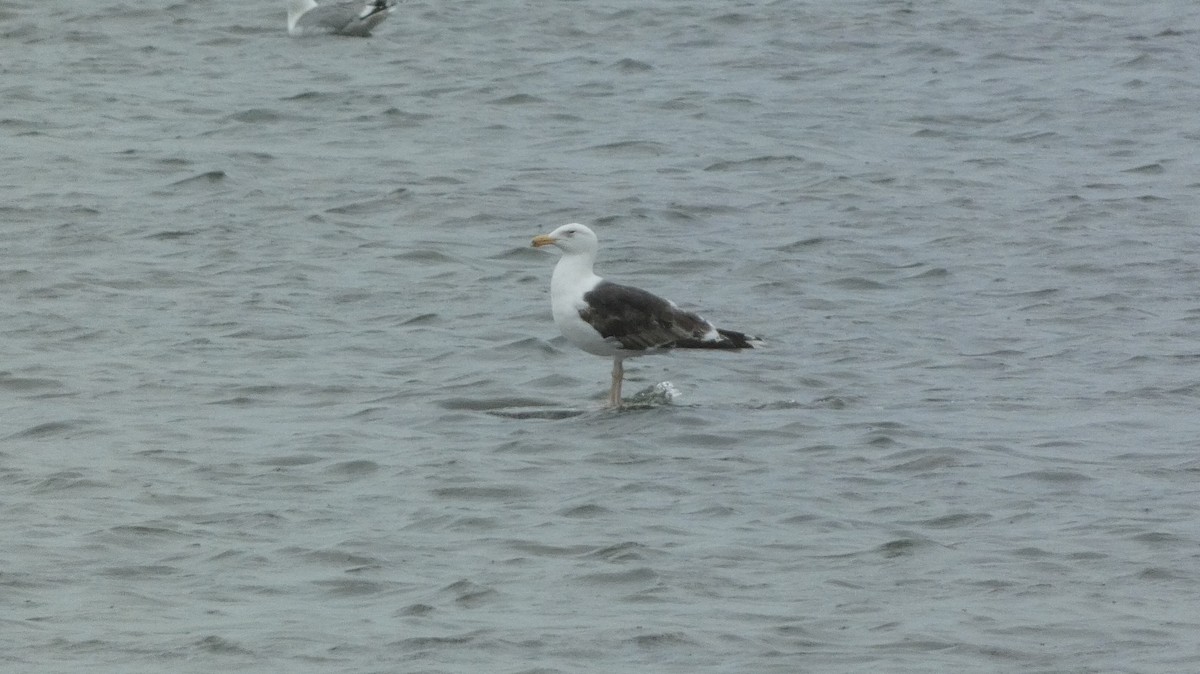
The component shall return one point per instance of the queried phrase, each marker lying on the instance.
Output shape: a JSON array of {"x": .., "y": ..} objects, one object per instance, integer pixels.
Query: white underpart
[
  {"x": 297, "y": 9},
  {"x": 572, "y": 279}
]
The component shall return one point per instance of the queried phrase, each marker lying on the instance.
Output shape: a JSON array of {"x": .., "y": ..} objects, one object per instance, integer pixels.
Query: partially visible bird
[
  {"x": 344, "y": 17},
  {"x": 618, "y": 321}
]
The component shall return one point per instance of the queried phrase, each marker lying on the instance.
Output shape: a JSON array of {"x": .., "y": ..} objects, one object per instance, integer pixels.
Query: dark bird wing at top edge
[
  {"x": 639, "y": 320},
  {"x": 376, "y": 7},
  {"x": 347, "y": 17}
]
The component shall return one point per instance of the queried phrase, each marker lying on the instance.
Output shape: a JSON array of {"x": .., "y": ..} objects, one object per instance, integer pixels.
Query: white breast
[{"x": 573, "y": 279}]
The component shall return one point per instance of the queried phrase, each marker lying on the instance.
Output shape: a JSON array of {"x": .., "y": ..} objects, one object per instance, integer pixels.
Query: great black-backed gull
[
  {"x": 620, "y": 321},
  {"x": 355, "y": 18}
]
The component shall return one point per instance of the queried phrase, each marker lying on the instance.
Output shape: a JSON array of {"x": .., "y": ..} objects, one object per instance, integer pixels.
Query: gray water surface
[{"x": 280, "y": 388}]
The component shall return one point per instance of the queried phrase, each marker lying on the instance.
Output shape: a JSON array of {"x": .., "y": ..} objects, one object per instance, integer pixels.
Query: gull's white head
[{"x": 572, "y": 238}]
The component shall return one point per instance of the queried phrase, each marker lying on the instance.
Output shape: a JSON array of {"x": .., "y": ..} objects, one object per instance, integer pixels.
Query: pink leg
[{"x": 614, "y": 394}]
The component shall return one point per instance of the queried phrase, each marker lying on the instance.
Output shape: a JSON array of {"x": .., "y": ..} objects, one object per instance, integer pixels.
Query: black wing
[{"x": 639, "y": 320}]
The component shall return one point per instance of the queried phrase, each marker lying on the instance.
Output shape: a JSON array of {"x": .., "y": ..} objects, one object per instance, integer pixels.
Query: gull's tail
[
  {"x": 377, "y": 6},
  {"x": 740, "y": 340},
  {"x": 716, "y": 338}
]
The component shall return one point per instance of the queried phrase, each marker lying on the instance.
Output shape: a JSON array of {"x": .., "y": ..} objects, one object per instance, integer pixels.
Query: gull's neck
[{"x": 572, "y": 271}]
